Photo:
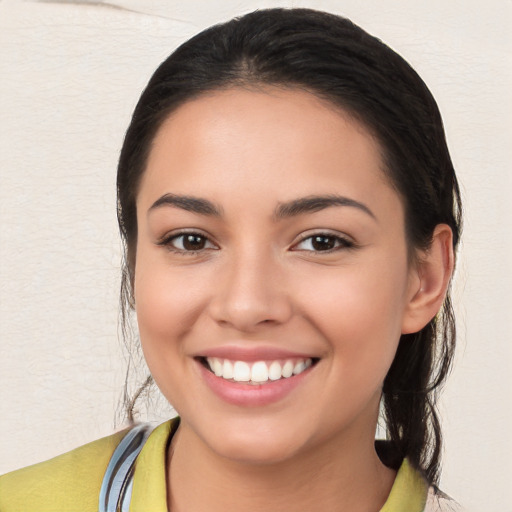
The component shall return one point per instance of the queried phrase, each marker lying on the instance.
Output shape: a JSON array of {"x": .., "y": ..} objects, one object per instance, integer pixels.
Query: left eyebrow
[{"x": 311, "y": 204}]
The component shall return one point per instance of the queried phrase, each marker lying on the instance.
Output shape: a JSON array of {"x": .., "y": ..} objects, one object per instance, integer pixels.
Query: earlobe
[{"x": 430, "y": 282}]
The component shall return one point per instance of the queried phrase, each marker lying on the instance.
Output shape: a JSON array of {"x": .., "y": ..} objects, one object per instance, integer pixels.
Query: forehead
[{"x": 289, "y": 140}]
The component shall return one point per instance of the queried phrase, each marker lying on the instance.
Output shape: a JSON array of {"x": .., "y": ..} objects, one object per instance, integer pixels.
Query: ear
[{"x": 429, "y": 280}]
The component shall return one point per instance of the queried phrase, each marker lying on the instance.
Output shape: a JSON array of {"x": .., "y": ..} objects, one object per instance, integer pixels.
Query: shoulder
[{"x": 67, "y": 483}]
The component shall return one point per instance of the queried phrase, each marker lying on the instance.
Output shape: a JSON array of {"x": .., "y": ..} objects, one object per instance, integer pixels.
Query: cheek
[
  {"x": 167, "y": 304},
  {"x": 357, "y": 301},
  {"x": 167, "y": 301},
  {"x": 360, "y": 314}
]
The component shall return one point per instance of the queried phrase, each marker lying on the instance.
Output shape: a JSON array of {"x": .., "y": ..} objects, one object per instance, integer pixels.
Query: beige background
[{"x": 70, "y": 73}]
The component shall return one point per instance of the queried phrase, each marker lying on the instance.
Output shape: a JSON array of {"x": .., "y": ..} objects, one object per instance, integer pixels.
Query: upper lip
[{"x": 253, "y": 353}]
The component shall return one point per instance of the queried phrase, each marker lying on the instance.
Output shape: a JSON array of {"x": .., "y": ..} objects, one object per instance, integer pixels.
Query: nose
[{"x": 251, "y": 293}]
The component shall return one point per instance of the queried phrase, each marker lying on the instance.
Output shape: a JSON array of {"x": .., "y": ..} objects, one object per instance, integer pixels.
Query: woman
[{"x": 290, "y": 214}]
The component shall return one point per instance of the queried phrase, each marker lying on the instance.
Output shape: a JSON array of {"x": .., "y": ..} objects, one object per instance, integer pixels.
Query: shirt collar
[{"x": 408, "y": 493}]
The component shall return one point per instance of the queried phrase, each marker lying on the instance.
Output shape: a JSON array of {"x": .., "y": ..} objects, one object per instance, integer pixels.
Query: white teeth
[
  {"x": 241, "y": 372},
  {"x": 299, "y": 368},
  {"x": 287, "y": 370},
  {"x": 274, "y": 372},
  {"x": 258, "y": 372},
  {"x": 227, "y": 369},
  {"x": 217, "y": 367}
]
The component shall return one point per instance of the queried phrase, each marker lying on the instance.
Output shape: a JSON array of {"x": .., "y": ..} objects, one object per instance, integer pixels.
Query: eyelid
[
  {"x": 345, "y": 242},
  {"x": 165, "y": 240}
]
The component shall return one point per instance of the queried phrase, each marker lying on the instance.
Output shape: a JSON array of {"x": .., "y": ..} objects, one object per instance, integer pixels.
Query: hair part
[{"x": 337, "y": 61}]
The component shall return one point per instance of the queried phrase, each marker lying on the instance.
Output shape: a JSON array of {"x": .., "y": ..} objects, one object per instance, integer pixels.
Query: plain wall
[{"x": 70, "y": 74}]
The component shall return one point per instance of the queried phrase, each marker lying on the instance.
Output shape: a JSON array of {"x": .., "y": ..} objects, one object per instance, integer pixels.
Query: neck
[{"x": 336, "y": 476}]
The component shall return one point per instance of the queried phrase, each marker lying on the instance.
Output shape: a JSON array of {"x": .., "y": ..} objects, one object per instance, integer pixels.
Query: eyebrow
[
  {"x": 189, "y": 203},
  {"x": 303, "y": 205},
  {"x": 311, "y": 204}
]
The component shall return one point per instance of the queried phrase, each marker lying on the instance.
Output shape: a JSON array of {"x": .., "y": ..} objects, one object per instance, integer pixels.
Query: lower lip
[{"x": 252, "y": 395}]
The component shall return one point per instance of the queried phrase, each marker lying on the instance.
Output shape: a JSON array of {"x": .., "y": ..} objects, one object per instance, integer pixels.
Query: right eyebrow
[{"x": 189, "y": 203}]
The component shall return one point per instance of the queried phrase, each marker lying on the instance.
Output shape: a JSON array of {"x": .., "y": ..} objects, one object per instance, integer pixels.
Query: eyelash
[
  {"x": 340, "y": 243},
  {"x": 167, "y": 242}
]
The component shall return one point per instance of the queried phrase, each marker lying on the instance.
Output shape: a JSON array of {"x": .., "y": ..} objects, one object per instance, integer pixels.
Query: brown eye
[
  {"x": 188, "y": 242},
  {"x": 193, "y": 242},
  {"x": 323, "y": 243}
]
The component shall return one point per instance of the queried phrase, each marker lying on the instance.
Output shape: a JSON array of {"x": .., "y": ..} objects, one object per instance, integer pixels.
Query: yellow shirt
[{"x": 72, "y": 482}]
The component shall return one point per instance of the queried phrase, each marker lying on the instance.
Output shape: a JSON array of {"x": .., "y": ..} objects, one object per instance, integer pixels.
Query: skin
[{"x": 256, "y": 282}]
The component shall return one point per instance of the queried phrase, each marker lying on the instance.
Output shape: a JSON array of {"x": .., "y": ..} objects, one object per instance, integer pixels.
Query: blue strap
[{"x": 116, "y": 489}]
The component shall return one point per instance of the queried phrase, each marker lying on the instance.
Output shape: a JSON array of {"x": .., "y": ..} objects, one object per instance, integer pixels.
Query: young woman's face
[{"x": 270, "y": 241}]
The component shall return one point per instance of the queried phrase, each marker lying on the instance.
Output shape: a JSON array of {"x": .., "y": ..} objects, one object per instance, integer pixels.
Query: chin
[
  {"x": 257, "y": 452},
  {"x": 255, "y": 445}
]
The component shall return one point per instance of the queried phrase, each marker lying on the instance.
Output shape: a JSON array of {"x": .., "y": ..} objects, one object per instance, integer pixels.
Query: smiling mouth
[{"x": 257, "y": 372}]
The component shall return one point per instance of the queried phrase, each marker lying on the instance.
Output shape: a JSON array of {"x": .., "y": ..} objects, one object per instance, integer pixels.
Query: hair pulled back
[{"x": 336, "y": 60}]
